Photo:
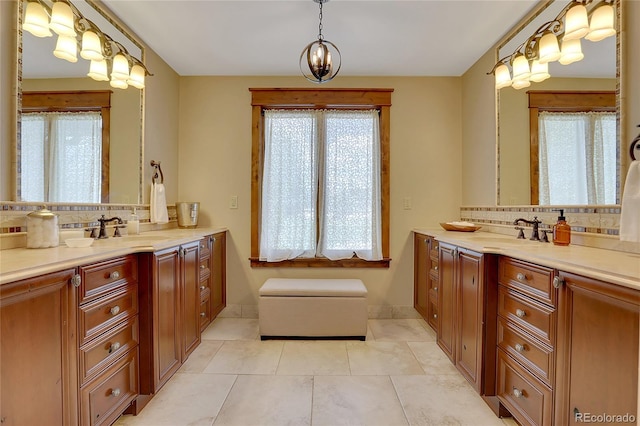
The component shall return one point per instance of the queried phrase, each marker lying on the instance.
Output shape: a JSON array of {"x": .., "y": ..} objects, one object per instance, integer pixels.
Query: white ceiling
[{"x": 266, "y": 37}]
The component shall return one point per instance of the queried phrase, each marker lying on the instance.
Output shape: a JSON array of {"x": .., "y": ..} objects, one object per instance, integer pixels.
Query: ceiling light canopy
[
  {"x": 320, "y": 60},
  {"x": 529, "y": 62},
  {"x": 74, "y": 31}
]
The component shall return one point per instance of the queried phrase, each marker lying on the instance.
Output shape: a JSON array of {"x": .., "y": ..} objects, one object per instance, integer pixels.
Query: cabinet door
[
  {"x": 166, "y": 315},
  {"x": 38, "y": 376},
  {"x": 469, "y": 318},
  {"x": 218, "y": 298},
  {"x": 421, "y": 274},
  {"x": 447, "y": 300},
  {"x": 597, "y": 370},
  {"x": 190, "y": 295}
]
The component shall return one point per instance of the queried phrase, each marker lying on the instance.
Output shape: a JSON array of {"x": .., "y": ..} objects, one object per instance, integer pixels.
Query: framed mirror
[
  {"x": 598, "y": 71},
  {"x": 42, "y": 72}
]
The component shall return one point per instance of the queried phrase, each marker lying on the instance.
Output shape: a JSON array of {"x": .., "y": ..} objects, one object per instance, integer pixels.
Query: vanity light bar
[
  {"x": 557, "y": 40},
  {"x": 74, "y": 30}
]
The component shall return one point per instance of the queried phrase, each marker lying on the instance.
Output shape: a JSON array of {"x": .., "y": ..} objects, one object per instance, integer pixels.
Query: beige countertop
[
  {"x": 21, "y": 263},
  {"x": 607, "y": 265}
]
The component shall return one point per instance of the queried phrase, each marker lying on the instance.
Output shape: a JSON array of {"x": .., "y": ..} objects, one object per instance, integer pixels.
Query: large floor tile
[
  {"x": 435, "y": 400},
  {"x": 201, "y": 357},
  {"x": 400, "y": 330},
  {"x": 268, "y": 401},
  {"x": 431, "y": 358},
  {"x": 231, "y": 329},
  {"x": 246, "y": 357},
  {"x": 351, "y": 400},
  {"x": 376, "y": 358},
  {"x": 314, "y": 357},
  {"x": 185, "y": 400}
]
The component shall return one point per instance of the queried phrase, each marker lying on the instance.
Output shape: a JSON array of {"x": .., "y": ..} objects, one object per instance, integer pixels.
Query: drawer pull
[
  {"x": 520, "y": 313},
  {"x": 114, "y": 347},
  {"x": 435, "y": 315},
  {"x": 435, "y": 268},
  {"x": 212, "y": 239},
  {"x": 203, "y": 314},
  {"x": 520, "y": 347},
  {"x": 435, "y": 288},
  {"x": 114, "y": 275},
  {"x": 202, "y": 287},
  {"x": 202, "y": 246},
  {"x": 115, "y": 310},
  {"x": 202, "y": 267},
  {"x": 558, "y": 281},
  {"x": 517, "y": 393},
  {"x": 116, "y": 392},
  {"x": 521, "y": 277}
]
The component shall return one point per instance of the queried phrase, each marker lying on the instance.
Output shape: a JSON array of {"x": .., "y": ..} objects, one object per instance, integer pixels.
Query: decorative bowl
[
  {"x": 453, "y": 226},
  {"x": 78, "y": 242}
]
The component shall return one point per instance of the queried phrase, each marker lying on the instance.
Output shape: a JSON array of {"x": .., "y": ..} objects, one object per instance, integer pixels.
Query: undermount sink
[{"x": 143, "y": 237}]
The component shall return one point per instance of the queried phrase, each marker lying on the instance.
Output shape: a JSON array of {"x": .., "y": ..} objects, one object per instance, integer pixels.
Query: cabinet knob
[
  {"x": 114, "y": 347},
  {"x": 212, "y": 239},
  {"x": 521, "y": 277},
  {"x": 435, "y": 268},
  {"x": 202, "y": 267},
  {"x": 203, "y": 314},
  {"x": 558, "y": 281},
  {"x": 435, "y": 288},
  {"x": 517, "y": 393},
  {"x": 520, "y": 313},
  {"x": 114, "y": 275},
  {"x": 435, "y": 315},
  {"x": 519, "y": 347},
  {"x": 116, "y": 392},
  {"x": 202, "y": 287},
  {"x": 115, "y": 310},
  {"x": 76, "y": 280}
]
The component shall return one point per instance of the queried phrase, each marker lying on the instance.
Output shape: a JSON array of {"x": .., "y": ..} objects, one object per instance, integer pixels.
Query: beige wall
[
  {"x": 7, "y": 93},
  {"x": 215, "y": 164}
]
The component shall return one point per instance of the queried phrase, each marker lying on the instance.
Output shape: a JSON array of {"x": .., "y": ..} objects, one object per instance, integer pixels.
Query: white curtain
[
  {"x": 61, "y": 157},
  {"x": 578, "y": 158},
  {"x": 321, "y": 185}
]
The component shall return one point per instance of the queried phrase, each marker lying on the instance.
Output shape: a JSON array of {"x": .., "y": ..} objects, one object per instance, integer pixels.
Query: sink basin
[{"x": 142, "y": 237}]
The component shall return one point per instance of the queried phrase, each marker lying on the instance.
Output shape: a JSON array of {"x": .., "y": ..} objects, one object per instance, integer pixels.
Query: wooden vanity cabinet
[
  {"x": 218, "y": 262},
  {"x": 597, "y": 344},
  {"x": 38, "y": 372}
]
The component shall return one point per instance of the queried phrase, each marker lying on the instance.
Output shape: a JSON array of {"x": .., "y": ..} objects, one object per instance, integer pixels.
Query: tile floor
[{"x": 398, "y": 376}]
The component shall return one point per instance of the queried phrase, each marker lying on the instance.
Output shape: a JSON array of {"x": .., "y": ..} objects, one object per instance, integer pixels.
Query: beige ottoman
[{"x": 314, "y": 308}]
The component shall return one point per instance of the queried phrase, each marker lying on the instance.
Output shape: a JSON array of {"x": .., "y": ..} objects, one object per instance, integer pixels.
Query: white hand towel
[
  {"x": 630, "y": 212},
  {"x": 159, "y": 213}
]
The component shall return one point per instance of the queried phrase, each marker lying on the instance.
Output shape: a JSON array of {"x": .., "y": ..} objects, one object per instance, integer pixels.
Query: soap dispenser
[
  {"x": 133, "y": 224},
  {"x": 561, "y": 231}
]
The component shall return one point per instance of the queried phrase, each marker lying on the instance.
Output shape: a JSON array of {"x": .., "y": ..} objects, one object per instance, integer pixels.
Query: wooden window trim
[
  {"x": 341, "y": 98},
  {"x": 77, "y": 101},
  {"x": 559, "y": 101}
]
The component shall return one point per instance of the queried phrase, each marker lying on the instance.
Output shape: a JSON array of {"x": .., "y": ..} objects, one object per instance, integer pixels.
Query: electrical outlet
[
  {"x": 233, "y": 202},
  {"x": 406, "y": 203}
]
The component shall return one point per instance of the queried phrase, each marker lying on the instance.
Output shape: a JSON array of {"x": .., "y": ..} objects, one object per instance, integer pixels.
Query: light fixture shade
[
  {"x": 503, "y": 76},
  {"x": 571, "y": 52},
  {"x": 548, "y": 48},
  {"x": 576, "y": 22},
  {"x": 62, "y": 19},
  {"x": 136, "y": 79},
  {"x": 602, "y": 23},
  {"x": 66, "y": 48},
  {"x": 520, "y": 84},
  {"x": 520, "y": 67},
  {"x": 91, "y": 46},
  {"x": 36, "y": 20},
  {"x": 98, "y": 70},
  {"x": 539, "y": 72},
  {"x": 118, "y": 83},
  {"x": 120, "y": 67}
]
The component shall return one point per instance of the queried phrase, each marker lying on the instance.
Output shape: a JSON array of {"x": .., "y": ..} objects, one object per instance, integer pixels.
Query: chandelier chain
[{"x": 320, "y": 22}]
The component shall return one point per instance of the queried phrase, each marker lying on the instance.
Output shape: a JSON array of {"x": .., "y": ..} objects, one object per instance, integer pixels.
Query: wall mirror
[
  {"x": 42, "y": 71},
  {"x": 598, "y": 71}
]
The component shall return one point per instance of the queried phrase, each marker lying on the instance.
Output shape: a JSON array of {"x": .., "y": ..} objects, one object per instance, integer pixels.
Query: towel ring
[
  {"x": 156, "y": 165},
  {"x": 635, "y": 147}
]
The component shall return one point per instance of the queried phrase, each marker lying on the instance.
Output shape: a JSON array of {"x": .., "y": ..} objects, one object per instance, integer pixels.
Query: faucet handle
[
  {"x": 116, "y": 233},
  {"x": 92, "y": 232},
  {"x": 520, "y": 232}
]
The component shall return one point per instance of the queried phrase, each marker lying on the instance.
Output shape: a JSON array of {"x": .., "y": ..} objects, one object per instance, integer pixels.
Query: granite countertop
[
  {"x": 607, "y": 265},
  {"x": 21, "y": 263}
]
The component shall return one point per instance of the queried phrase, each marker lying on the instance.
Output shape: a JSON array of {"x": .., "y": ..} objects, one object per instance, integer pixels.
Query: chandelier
[
  {"x": 557, "y": 40},
  {"x": 320, "y": 60},
  {"x": 109, "y": 60}
]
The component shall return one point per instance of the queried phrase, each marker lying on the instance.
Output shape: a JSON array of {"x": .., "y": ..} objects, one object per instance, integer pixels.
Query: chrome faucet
[
  {"x": 103, "y": 225},
  {"x": 535, "y": 236}
]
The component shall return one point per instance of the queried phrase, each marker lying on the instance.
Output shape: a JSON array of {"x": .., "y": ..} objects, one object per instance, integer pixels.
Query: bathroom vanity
[
  {"x": 553, "y": 330},
  {"x": 92, "y": 332}
]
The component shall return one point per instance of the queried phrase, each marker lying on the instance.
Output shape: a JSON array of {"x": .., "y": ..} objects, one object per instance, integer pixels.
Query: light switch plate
[{"x": 233, "y": 202}]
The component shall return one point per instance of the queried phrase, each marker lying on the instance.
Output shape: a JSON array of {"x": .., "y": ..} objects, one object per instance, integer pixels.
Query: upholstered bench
[{"x": 313, "y": 308}]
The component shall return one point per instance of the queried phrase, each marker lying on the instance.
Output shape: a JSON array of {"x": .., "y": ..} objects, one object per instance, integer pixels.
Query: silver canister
[
  {"x": 187, "y": 214},
  {"x": 42, "y": 229}
]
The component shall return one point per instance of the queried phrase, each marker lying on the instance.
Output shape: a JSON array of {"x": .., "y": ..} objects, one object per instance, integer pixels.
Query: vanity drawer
[
  {"x": 527, "y": 398},
  {"x": 205, "y": 312},
  {"x": 100, "y": 278},
  {"x": 533, "y": 280},
  {"x": 99, "y": 353},
  {"x": 533, "y": 355},
  {"x": 99, "y": 315},
  {"x": 205, "y": 253},
  {"x": 533, "y": 317},
  {"x": 104, "y": 399},
  {"x": 205, "y": 272}
]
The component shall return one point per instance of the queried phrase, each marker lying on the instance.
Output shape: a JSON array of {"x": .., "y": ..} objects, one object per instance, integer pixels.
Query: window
[{"x": 320, "y": 177}]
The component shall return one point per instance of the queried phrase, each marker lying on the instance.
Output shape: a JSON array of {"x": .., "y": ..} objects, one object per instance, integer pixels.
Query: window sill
[{"x": 321, "y": 263}]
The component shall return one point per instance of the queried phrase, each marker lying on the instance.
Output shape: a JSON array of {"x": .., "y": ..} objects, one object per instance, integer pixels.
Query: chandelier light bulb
[
  {"x": 503, "y": 76},
  {"x": 548, "y": 48},
  {"x": 62, "y": 19},
  {"x": 66, "y": 48},
  {"x": 602, "y": 23},
  {"x": 576, "y": 22},
  {"x": 98, "y": 70},
  {"x": 539, "y": 72},
  {"x": 521, "y": 69},
  {"x": 91, "y": 46},
  {"x": 136, "y": 79},
  {"x": 571, "y": 52},
  {"x": 36, "y": 20},
  {"x": 120, "y": 68}
]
